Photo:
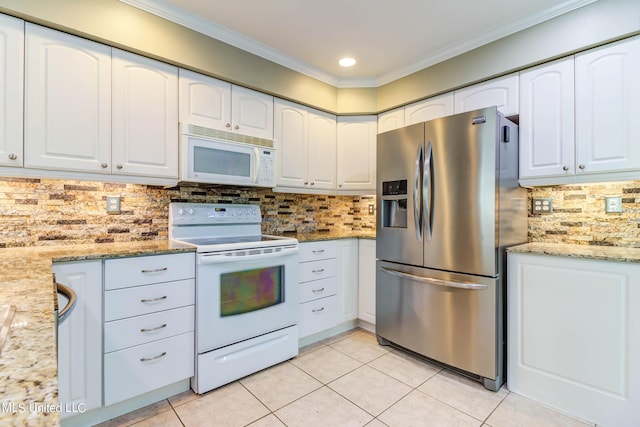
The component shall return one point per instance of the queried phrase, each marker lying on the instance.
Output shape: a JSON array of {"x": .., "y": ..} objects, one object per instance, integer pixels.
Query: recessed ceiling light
[{"x": 347, "y": 62}]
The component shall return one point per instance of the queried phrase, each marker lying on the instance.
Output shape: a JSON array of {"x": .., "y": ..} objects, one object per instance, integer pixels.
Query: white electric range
[{"x": 246, "y": 291}]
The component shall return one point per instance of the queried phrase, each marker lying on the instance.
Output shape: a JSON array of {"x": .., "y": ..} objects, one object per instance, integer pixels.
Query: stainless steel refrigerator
[{"x": 448, "y": 205}]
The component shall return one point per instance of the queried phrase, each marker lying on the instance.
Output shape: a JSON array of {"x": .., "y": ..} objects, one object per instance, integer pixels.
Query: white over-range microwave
[{"x": 218, "y": 157}]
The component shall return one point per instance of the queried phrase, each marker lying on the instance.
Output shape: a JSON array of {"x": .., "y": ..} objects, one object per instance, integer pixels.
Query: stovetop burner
[{"x": 220, "y": 227}]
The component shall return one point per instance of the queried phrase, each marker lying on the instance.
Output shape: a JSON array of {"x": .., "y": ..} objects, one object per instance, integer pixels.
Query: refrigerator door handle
[
  {"x": 427, "y": 192},
  {"x": 417, "y": 217},
  {"x": 432, "y": 281}
]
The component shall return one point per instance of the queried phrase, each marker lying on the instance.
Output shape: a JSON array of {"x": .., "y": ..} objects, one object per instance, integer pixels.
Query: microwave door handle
[
  {"x": 256, "y": 154},
  {"x": 417, "y": 194}
]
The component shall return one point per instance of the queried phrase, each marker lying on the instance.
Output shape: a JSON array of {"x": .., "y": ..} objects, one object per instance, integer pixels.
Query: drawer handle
[
  {"x": 157, "y": 328},
  {"x": 316, "y": 291},
  {"x": 318, "y": 271},
  {"x": 317, "y": 310},
  {"x": 318, "y": 251},
  {"x": 156, "y": 270},
  {"x": 153, "y": 299},
  {"x": 151, "y": 359}
]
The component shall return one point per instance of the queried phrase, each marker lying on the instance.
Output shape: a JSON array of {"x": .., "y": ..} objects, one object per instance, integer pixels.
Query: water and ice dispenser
[{"x": 394, "y": 203}]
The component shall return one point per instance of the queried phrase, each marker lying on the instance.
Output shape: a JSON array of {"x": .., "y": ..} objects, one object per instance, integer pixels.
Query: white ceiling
[{"x": 389, "y": 39}]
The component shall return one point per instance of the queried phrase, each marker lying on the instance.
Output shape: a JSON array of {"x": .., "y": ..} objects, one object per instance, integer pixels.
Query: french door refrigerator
[{"x": 448, "y": 205}]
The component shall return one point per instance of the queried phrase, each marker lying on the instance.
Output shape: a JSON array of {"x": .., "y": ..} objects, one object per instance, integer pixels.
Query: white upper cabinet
[
  {"x": 145, "y": 116},
  {"x": 390, "y": 120},
  {"x": 306, "y": 147},
  {"x": 429, "y": 109},
  {"x": 501, "y": 92},
  {"x": 251, "y": 112},
  {"x": 11, "y": 90},
  {"x": 322, "y": 150},
  {"x": 292, "y": 143},
  {"x": 547, "y": 120},
  {"x": 204, "y": 101},
  {"x": 67, "y": 102},
  {"x": 357, "y": 154},
  {"x": 213, "y": 103},
  {"x": 608, "y": 108}
]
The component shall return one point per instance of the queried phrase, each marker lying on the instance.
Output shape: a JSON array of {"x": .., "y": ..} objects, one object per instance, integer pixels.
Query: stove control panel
[{"x": 207, "y": 213}]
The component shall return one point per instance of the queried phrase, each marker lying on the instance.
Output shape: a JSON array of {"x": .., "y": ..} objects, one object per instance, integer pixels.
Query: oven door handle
[{"x": 219, "y": 258}]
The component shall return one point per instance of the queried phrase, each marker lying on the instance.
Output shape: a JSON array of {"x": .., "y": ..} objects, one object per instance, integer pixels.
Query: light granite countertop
[
  {"x": 322, "y": 235},
  {"x": 28, "y": 362},
  {"x": 603, "y": 253}
]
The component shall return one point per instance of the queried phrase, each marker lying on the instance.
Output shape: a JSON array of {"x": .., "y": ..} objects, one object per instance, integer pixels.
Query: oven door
[{"x": 241, "y": 294}]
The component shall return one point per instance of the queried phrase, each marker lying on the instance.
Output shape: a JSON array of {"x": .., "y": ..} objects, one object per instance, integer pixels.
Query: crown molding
[{"x": 247, "y": 44}]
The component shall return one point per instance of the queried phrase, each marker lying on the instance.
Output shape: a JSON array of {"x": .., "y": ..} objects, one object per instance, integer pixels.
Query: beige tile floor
[{"x": 348, "y": 380}]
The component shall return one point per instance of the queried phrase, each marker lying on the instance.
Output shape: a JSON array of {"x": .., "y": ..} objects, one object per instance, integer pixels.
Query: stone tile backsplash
[
  {"x": 579, "y": 216},
  {"x": 36, "y": 212}
]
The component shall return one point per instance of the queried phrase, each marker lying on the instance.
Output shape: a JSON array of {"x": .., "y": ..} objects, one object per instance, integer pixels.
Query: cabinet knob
[
  {"x": 104, "y": 166},
  {"x": 581, "y": 166},
  {"x": 237, "y": 127},
  {"x": 313, "y": 182},
  {"x": 12, "y": 156},
  {"x": 565, "y": 168},
  {"x": 339, "y": 185},
  {"x": 306, "y": 183},
  {"x": 228, "y": 125},
  {"x": 119, "y": 166}
]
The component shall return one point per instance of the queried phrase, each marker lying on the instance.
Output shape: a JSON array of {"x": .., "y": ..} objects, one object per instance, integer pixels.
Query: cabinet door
[
  {"x": 429, "y": 109},
  {"x": 322, "y": 151},
  {"x": 501, "y": 92},
  {"x": 391, "y": 120},
  {"x": 204, "y": 101},
  {"x": 573, "y": 326},
  {"x": 347, "y": 280},
  {"x": 80, "y": 337},
  {"x": 357, "y": 153},
  {"x": 67, "y": 102},
  {"x": 11, "y": 90},
  {"x": 292, "y": 142},
  {"x": 251, "y": 112},
  {"x": 608, "y": 107},
  {"x": 547, "y": 120},
  {"x": 145, "y": 116},
  {"x": 367, "y": 280}
]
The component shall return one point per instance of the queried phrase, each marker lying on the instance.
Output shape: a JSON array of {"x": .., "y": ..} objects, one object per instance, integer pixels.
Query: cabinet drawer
[
  {"x": 139, "y": 369},
  {"x": 309, "y": 291},
  {"x": 318, "y": 315},
  {"x": 138, "y": 330},
  {"x": 312, "y": 251},
  {"x": 316, "y": 270},
  {"x": 145, "y": 270},
  {"x": 147, "y": 299}
]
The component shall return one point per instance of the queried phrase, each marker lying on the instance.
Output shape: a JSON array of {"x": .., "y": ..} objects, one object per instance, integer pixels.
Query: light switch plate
[
  {"x": 542, "y": 205},
  {"x": 113, "y": 205},
  {"x": 613, "y": 204}
]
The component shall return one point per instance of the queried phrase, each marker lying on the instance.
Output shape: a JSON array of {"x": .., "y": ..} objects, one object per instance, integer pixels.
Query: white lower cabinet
[
  {"x": 347, "y": 282},
  {"x": 149, "y": 327},
  {"x": 80, "y": 338},
  {"x": 574, "y": 336},
  {"x": 367, "y": 280},
  {"x": 317, "y": 287}
]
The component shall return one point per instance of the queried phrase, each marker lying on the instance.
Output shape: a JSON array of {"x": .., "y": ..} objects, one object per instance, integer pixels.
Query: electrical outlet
[
  {"x": 113, "y": 205},
  {"x": 371, "y": 209},
  {"x": 613, "y": 204},
  {"x": 542, "y": 206}
]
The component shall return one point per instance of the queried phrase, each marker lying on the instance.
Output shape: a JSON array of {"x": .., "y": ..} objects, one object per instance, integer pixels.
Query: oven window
[
  {"x": 221, "y": 162},
  {"x": 250, "y": 290}
]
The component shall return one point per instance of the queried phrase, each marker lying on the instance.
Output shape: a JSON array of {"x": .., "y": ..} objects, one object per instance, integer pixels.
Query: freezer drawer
[{"x": 452, "y": 318}]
